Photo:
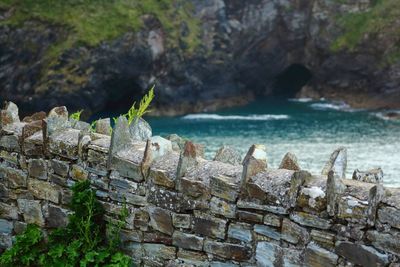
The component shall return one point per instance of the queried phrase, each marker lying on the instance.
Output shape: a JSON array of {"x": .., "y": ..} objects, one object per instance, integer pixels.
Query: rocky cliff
[{"x": 201, "y": 54}]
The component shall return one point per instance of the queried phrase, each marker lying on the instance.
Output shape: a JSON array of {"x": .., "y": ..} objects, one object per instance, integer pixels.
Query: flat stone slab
[
  {"x": 271, "y": 186},
  {"x": 65, "y": 143}
]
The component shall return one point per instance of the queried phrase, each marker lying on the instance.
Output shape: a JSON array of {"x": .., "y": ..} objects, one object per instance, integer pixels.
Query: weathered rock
[
  {"x": 131, "y": 236},
  {"x": 79, "y": 173},
  {"x": 103, "y": 126},
  {"x": 372, "y": 176},
  {"x": 187, "y": 241},
  {"x": 376, "y": 194},
  {"x": 37, "y": 168},
  {"x": 276, "y": 187},
  {"x": 80, "y": 125},
  {"x": 140, "y": 130},
  {"x": 240, "y": 231},
  {"x": 187, "y": 159},
  {"x": 141, "y": 219},
  {"x": 268, "y": 254},
  {"x": 289, "y": 162},
  {"x": 120, "y": 138},
  {"x": 10, "y": 143},
  {"x": 354, "y": 231},
  {"x": 44, "y": 190},
  {"x": 389, "y": 242},
  {"x": 334, "y": 190},
  {"x": 221, "y": 207},
  {"x": 227, "y": 250},
  {"x": 306, "y": 219},
  {"x": 352, "y": 209},
  {"x": 60, "y": 167},
  {"x": 9, "y": 114},
  {"x": 293, "y": 233},
  {"x": 254, "y": 162},
  {"x": 272, "y": 220},
  {"x": 191, "y": 258},
  {"x": 159, "y": 252},
  {"x": 8, "y": 211},
  {"x": 183, "y": 221},
  {"x": 337, "y": 163},
  {"x": 361, "y": 255},
  {"x": 38, "y": 116},
  {"x": 316, "y": 256},
  {"x": 207, "y": 225},
  {"x": 161, "y": 220},
  {"x": 56, "y": 121},
  {"x": 65, "y": 143},
  {"x": 33, "y": 145},
  {"x": 267, "y": 231},
  {"x": 312, "y": 198},
  {"x": 248, "y": 216},
  {"x": 157, "y": 237},
  {"x": 254, "y": 206},
  {"x": 389, "y": 215},
  {"x": 228, "y": 155},
  {"x": 57, "y": 217},
  {"x": 16, "y": 178},
  {"x": 178, "y": 143},
  {"x": 225, "y": 187},
  {"x": 6, "y": 227},
  {"x": 323, "y": 239},
  {"x": 31, "y": 211},
  {"x": 156, "y": 147}
]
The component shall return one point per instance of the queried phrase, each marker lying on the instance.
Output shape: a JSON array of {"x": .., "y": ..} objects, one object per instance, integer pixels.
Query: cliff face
[{"x": 222, "y": 53}]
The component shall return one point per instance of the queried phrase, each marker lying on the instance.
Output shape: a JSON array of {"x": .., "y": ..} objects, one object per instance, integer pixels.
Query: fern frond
[{"x": 76, "y": 115}]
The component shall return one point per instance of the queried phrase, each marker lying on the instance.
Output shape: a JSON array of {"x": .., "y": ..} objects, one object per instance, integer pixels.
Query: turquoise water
[{"x": 311, "y": 130}]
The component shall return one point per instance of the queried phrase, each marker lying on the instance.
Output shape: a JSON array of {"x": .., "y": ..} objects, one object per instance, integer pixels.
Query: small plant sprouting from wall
[
  {"x": 76, "y": 115},
  {"x": 134, "y": 114},
  {"x": 87, "y": 240}
]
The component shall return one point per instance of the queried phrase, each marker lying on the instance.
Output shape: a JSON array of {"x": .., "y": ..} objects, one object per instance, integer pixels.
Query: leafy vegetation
[
  {"x": 91, "y": 22},
  {"x": 86, "y": 241},
  {"x": 134, "y": 114},
  {"x": 381, "y": 19},
  {"x": 76, "y": 115}
]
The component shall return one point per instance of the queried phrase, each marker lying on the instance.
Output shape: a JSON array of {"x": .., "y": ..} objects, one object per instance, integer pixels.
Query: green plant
[
  {"x": 380, "y": 20},
  {"x": 76, "y": 115},
  {"x": 134, "y": 114},
  {"x": 85, "y": 241}
]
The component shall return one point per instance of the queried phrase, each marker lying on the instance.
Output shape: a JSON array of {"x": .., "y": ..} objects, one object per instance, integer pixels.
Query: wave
[
  {"x": 392, "y": 115},
  {"x": 332, "y": 106},
  {"x": 301, "y": 100},
  {"x": 254, "y": 117}
]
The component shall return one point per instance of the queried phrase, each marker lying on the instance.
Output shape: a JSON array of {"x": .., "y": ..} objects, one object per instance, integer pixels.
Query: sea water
[{"x": 311, "y": 130}]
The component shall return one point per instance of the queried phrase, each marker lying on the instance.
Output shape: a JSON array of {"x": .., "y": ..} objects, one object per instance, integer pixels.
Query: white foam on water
[
  {"x": 261, "y": 117},
  {"x": 332, "y": 106},
  {"x": 384, "y": 115},
  {"x": 301, "y": 100}
]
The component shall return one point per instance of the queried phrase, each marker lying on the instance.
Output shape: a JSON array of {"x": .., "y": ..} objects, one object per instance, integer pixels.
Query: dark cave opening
[
  {"x": 291, "y": 80},
  {"x": 121, "y": 94}
]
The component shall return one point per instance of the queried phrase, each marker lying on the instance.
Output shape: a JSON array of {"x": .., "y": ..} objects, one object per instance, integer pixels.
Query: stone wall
[{"x": 188, "y": 211}]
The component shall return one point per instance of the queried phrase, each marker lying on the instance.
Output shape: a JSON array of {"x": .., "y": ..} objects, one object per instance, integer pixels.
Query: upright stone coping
[{"x": 185, "y": 210}]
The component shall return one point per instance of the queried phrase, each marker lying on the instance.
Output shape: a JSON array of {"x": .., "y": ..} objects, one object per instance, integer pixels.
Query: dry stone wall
[{"x": 188, "y": 211}]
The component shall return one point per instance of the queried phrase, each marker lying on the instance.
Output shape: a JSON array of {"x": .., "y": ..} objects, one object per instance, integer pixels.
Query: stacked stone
[{"x": 185, "y": 210}]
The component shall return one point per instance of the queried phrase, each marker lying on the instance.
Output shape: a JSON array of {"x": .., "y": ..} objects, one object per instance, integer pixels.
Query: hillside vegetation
[
  {"x": 380, "y": 23},
  {"x": 92, "y": 21}
]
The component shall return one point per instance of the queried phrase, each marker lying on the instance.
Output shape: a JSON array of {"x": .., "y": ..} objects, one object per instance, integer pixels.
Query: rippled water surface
[{"x": 311, "y": 130}]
